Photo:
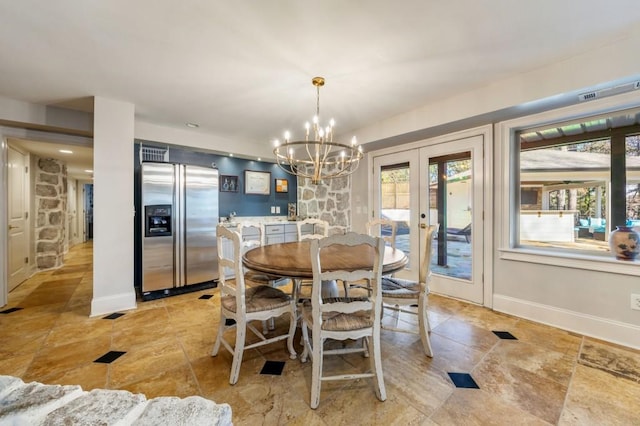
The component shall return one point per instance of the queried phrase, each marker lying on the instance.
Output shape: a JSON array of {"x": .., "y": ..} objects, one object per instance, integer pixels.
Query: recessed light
[
  {"x": 259, "y": 159},
  {"x": 192, "y": 125},
  {"x": 65, "y": 151},
  {"x": 231, "y": 155}
]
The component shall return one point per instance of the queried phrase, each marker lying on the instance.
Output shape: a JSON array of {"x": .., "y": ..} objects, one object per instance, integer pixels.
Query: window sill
[{"x": 572, "y": 260}]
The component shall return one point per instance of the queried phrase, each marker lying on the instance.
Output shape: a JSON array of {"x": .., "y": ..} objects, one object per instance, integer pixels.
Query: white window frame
[{"x": 508, "y": 178}]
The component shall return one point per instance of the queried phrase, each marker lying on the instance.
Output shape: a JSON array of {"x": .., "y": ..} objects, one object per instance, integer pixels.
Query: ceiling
[
  {"x": 79, "y": 161},
  {"x": 242, "y": 69}
]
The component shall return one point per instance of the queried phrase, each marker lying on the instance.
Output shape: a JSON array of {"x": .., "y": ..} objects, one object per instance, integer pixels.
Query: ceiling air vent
[
  {"x": 148, "y": 153},
  {"x": 587, "y": 96}
]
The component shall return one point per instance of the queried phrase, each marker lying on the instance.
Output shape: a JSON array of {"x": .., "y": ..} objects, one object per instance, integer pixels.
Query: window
[{"x": 577, "y": 181}]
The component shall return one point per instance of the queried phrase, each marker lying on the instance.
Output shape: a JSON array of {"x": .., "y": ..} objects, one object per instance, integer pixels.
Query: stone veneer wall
[
  {"x": 51, "y": 207},
  {"x": 329, "y": 201}
]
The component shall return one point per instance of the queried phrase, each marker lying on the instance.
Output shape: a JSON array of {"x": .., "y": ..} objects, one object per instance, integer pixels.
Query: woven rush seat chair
[
  {"x": 342, "y": 318},
  {"x": 244, "y": 304},
  {"x": 398, "y": 293}
]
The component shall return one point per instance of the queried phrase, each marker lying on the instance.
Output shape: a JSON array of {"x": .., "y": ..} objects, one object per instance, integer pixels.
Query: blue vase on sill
[{"x": 624, "y": 243}]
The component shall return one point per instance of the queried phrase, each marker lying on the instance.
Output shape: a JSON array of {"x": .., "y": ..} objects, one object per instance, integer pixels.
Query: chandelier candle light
[{"x": 320, "y": 157}]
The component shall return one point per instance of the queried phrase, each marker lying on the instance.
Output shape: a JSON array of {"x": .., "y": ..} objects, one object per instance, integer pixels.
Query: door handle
[
  {"x": 423, "y": 225},
  {"x": 12, "y": 227}
]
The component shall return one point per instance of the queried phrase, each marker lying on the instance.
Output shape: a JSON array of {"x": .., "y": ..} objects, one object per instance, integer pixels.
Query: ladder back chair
[
  {"x": 397, "y": 294},
  {"x": 343, "y": 318},
  {"x": 244, "y": 304},
  {"x": 253, "y": 235},
  {"x": 320, "y": 229},
  {"x": 385, "y": 228}
]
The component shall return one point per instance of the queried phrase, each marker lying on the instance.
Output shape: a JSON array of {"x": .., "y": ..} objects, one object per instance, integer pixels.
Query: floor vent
[{"x": 148, "y": 153}]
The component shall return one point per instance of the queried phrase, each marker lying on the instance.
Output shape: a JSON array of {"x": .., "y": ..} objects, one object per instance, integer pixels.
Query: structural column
[{"x": 113, "y": 208}]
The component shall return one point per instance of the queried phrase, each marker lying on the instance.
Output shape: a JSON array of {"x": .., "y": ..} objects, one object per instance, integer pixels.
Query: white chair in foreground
[
  {"x": 398, "y": 293},
  {"x": 244, "y": 304},
  {"x": 343, "y": 318}
]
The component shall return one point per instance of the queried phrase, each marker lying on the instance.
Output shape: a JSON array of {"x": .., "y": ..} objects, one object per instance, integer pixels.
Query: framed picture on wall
[
  {"x": 257, "y": 182},
  {"x": 282, "y": 185},
  {"x": 228, "y": 183}
]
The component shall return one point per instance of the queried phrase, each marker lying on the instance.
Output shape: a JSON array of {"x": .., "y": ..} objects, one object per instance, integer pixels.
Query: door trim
[{"x": 487, "y": 225}]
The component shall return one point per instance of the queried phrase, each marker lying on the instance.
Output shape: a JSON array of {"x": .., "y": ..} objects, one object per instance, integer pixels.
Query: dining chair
[
  {"x": 253, "y": 235},
  {"x": 342, "y": 318},
  {"x": 398, "y": 293},
  {"x": 380, "y": 227},
  {"x": 322, "y": 232},
  {"x": 244, "y": 304}
]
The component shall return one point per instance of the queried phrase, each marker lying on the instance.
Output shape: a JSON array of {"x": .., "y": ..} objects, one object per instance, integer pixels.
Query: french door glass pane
[
  {"x": 395, "y": 202},
  {"x": 450, "y": 201}
]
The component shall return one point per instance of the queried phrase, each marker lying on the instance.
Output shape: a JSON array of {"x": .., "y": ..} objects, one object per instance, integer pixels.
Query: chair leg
[
  {"x": 292, "y": 332},
  {"x": 376, "y": 365},
  {"x": 216, "y": 345},
  {"x": 316, "y": 371},
  {"x": 238, "y": 350},
  {"x": 305, "y": 342},
  {"x": 423, "y": 326}
]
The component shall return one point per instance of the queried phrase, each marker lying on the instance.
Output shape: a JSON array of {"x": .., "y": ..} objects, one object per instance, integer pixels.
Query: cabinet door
[
  {"x": 290, "y": 237},
  {"x": 275, "y": 238}
]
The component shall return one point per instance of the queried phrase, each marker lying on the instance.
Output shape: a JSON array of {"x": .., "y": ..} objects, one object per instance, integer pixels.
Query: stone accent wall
[
  {"x": 329, "y": 201},
  {"x": 51, "y": 207}
]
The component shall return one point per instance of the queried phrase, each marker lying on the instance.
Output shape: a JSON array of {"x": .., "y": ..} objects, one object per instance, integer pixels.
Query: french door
[{"x": 440, "y": 184}]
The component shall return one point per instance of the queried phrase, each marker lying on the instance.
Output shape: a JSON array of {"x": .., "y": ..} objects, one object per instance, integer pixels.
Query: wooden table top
[{"x": 294, "y": 259}]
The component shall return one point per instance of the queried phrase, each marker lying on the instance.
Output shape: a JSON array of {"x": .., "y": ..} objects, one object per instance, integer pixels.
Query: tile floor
[{"x": 540, "y": 376}]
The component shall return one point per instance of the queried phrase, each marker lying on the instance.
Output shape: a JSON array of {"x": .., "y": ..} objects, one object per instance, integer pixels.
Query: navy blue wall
[{"x": 239, "y": 202}]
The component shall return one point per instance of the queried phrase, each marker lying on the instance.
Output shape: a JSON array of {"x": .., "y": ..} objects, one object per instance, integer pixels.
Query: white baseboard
[
  {"x": 113, "y": 303},
  {"x": 588, "y": 325}
]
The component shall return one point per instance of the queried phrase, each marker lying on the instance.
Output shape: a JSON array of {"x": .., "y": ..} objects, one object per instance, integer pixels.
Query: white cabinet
[{"x": 280, "y": 233}]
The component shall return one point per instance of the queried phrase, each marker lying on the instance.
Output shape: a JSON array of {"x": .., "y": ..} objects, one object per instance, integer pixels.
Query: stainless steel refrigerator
[{"x": 179, "y": 214}]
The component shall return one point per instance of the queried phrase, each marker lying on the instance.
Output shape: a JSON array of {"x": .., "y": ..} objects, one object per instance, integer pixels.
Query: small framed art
[
  {"x": 228, "y": 183},
  {"x": 282, "y": 185}
]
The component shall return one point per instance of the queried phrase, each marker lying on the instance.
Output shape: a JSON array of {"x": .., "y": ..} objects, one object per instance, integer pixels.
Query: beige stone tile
[
  {"x": 477, "y": 407},
  {"x": 600, "y": 398},
  {"x": 357, "y": 403},
  {"x": 449, "y": 355},
  {"x": 132, "y": 338},
  {"x": 59, "y": 359},
  {"x": 15, "y": 365},
  {"x": 487, "y": 318},
  {"x": 519, "y": 387},
  {"x": 416, "y": 383},
  {"x": 612, "y": 358},
  {"x": 146, "y": 361},
  {"x": 141, "y": 318},
  {"x": 71, "y": 332},
  {"x": 168, "y": 343},
  {"x": 556, "y": 366},
  {"x": 178, "y": 382},
  {"x": 547, "y": 337},
  {"x": 89, "y": 376},
  {"x": 467, "y": 333}
]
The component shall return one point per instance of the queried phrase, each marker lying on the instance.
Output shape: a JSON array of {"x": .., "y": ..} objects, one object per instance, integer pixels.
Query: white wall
[
  {"x": 591, "y": 302},
  {"x": 113, "y": 211}
]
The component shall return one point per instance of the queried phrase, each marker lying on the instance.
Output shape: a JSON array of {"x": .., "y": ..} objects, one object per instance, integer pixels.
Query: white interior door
[
  {"x": 18, "y": 231},
  {"x": 452, "y": 194}
]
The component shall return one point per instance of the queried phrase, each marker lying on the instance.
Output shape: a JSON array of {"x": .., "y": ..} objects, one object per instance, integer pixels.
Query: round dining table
[{"x": 293, "y": 259}]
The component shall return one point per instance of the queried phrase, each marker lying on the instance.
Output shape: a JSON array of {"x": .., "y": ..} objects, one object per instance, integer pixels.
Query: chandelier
[{"x": 317, "y": 157}]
